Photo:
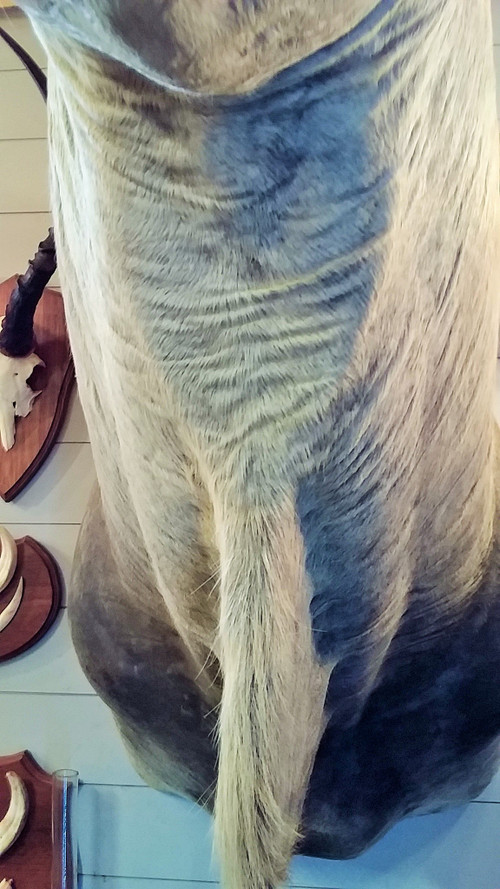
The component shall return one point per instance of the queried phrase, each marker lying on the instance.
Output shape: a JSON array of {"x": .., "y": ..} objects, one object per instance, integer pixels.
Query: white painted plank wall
[{"x": 129, "y": 834}]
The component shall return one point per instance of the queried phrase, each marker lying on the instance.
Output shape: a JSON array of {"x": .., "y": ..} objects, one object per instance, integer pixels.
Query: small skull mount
[
  {"x": 16, "y": 395},
  {"x": 17, "y": 341}
]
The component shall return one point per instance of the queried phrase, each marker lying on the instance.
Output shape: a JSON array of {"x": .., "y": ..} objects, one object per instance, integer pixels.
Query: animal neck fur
[{"x": 257, "y": 285}]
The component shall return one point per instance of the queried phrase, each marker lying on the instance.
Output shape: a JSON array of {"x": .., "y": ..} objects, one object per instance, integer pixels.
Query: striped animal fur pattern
[{"x": 277, "y": 228}]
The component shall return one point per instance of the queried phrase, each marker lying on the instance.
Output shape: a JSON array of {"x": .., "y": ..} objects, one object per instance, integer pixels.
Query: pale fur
[
  {"x": 208, "y": 410},
  {"x": 273, "y": 692},
  {"x": 208, "y": 46}
]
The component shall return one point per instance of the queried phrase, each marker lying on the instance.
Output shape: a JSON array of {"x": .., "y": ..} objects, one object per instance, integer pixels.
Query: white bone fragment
[
  {"x": 16, "y": 397},
  {"x": 8, "y": 557},
  {"x": 9, "y": 612},
  {"x": 13, "y": 822}
]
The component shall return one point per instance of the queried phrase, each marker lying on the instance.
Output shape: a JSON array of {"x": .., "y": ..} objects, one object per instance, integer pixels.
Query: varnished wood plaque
[
  {"x": 29, "y": 861},
  {"x": 36, "y": 433},
  {"x": 40, "y": 602}
]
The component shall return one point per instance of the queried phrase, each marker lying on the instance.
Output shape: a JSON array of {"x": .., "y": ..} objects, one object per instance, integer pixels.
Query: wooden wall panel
[
  {"x": 67, "y": 731},
  {"x": 50, "y": 667},
  {"x": 24, "y": 176},
  {"x": 60, "y": 491},
  {"x": 22, "y": 109},
  {"x": 20, "y": 29},
  {"x": 20, "y": 234},
  {"x": 124, "y": 883},
  {"x": 495, "y": 5},
  {"x": 159, "y": 836}
]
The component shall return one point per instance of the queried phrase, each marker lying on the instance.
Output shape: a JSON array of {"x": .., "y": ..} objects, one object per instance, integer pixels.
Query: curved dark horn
[
  {"x": 29, "y": 63},
  {"x": 16, "y": 336}
]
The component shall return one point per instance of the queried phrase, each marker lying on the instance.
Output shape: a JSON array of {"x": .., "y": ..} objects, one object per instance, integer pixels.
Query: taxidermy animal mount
[
  {"x": 277, "y": 230},
  {"x": 17, "y": 358}
]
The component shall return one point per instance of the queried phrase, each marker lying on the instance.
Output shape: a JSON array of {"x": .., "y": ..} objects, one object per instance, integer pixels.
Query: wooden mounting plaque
[
  {"x": 40, "y": 602},
  {"x": 36, "y": 433},
  {"x": 29, "y": 861}
]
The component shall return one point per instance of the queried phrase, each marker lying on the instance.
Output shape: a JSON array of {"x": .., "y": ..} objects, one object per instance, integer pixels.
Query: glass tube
[{"x": 64, "y": 834}]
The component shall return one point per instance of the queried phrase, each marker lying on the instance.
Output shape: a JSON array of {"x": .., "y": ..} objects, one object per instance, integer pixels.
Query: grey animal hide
[{"x": 277, "y": 228}]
